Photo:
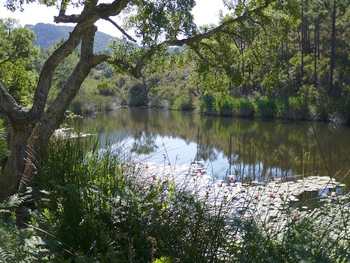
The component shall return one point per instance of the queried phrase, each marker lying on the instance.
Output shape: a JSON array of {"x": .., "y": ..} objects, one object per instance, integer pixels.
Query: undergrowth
[{"x": 91, "y": 206}]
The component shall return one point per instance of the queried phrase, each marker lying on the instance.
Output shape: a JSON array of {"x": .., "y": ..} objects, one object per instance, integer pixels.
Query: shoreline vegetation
[
  {"x": 264, "y": 108},
  {"x": 91, "y": 206},
  {"x": 174, "y": 91}
]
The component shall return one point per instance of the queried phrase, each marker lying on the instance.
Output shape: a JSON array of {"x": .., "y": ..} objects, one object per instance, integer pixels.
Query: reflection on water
[{"x": 251, "y": 150}]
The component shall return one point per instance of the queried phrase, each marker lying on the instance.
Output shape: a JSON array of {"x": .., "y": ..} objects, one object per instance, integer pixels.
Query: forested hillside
[{"x": 49, "y": 34}]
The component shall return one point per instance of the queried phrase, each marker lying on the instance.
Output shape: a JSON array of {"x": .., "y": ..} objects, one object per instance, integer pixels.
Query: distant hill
[{"x": 49, "y": 34}]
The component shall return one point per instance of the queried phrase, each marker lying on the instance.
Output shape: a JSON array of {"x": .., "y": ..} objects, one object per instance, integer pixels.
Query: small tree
[{"x": 158, "y": 24}]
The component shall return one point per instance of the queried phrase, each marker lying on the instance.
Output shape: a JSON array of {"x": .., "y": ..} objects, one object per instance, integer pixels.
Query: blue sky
[{"x": 205, "y": 12}]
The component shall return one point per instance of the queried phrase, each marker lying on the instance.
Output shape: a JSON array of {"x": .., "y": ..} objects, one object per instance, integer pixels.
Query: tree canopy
[{"x": 17, "y": 55}]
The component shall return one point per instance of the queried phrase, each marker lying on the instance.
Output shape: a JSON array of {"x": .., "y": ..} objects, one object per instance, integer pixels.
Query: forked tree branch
[{"x": 136, "y": 71}]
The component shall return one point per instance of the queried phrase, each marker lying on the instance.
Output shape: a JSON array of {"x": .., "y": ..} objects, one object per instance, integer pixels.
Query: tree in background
[{"x": 17, "y": 55}]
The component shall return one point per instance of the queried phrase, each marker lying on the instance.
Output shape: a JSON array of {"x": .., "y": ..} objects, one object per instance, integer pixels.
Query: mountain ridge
[{"x": 49, "y": 34}]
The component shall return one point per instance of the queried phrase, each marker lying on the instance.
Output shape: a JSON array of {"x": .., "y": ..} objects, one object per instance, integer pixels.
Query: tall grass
[
  {"x": 94, "y": 207},
  {"x": 293, "y": 108}
]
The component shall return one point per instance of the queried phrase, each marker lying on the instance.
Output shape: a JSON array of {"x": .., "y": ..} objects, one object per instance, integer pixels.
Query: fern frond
[
  {"x": 4, "y": 255},
  {"x": 11, "y": 202}
]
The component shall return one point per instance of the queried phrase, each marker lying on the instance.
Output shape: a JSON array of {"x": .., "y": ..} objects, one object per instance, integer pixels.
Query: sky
[{"x": 205, "y": 12}]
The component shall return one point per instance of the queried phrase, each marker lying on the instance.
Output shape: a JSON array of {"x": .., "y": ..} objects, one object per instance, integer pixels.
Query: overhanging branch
[
  {"x": 136, "y": 71},
  {"x": 120, "y": 29}
]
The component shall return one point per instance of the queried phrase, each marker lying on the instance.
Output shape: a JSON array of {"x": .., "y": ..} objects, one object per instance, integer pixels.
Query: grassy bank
[
  {"x": 292, "y": 108},
  {"x": 92, "y": 206}
]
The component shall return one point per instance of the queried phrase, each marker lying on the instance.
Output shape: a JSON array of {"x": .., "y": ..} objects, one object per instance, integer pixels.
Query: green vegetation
[
  {"x": 90, "y": 206},
  {"x": 17, "y": 55}
]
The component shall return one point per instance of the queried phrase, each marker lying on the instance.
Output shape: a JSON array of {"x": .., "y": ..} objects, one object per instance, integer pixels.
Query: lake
[{"x": 252, "y": 150}]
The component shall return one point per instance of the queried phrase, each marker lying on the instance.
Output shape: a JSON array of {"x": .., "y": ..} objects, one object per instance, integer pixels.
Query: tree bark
[
  {"x": 332, "y": 49},
  {"x": 302, "y": 41},
  {"x": 14, "y": 166},
  {"x": 53, "y": 117},
  {"x": 315, "y": 54}
]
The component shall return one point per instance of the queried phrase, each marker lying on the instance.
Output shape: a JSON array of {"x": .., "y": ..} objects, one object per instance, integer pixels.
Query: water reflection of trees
[
  {"x": 144, "y": 144},
  {"x": 253, "y": 148}
]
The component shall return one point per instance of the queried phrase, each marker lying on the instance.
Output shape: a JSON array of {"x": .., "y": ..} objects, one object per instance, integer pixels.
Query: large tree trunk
[
  {"x": 14, "y": 166},
  {"x": 27, "y": 144}
]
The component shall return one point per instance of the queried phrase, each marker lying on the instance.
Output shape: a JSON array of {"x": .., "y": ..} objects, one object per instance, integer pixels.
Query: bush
[
  {"x": 138, "y": 96},
  {"x": 183, "y": 103},
  {"x": 246, "y": 108},
  {"x": 226, "y": 105},
  {"x": 298, "y": 109},
  {"x": 206, "y": 104},
  {"x": 265, "y": 107},
  {"x": 106, "y": 89}
]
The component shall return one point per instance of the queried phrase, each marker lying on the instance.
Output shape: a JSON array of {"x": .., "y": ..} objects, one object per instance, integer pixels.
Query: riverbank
[{"x": 260, "y": 108}]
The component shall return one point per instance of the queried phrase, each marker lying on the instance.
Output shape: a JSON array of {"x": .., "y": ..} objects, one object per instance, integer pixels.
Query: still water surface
[{"x": 249, "y": 149}]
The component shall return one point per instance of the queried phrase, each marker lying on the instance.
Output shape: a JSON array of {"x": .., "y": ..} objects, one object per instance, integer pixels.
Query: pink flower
[
  {"x": 229, "y": 188},
  {"x": 231, "y": 178},
  {"x": 295, "y": 218},
  {"x": 168, "y": 163},
  {"x": 271, "y": 195},
  {"x": 256, "y": 197}
]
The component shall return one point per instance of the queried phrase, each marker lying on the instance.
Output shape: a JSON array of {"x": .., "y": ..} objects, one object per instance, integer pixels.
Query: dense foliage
[{"x": 17, "y": 55}]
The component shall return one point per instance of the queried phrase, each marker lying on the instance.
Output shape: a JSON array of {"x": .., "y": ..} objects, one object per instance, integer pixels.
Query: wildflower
[
  {"x": 256, "y": 197},
  {"x": 255, "y": 182},
  {"x": 229, "y": 188},
  {"x": 295, "y": 218},
  {"x": 271, "y": 195},
  {"x": 231, "y": 178}
]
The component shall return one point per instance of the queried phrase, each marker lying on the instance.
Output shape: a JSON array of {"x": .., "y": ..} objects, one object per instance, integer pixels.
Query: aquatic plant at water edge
[{"x": 93, "y": 206}]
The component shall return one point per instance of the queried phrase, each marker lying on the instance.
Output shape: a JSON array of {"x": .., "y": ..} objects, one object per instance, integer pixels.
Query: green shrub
[
  {"x": 265, "y": 107},
  {"x": 183, "y": 102},
  {"x": 106, "y": 89},
  {"x": 226, "y": 105},
  {"x": 280, "y": 109},
  {"x": 138, "y": 96},
  {"x": 298, "y": 109},
  {"x": 206, "y": 103},
  {"x": 246, "y": 108}
]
